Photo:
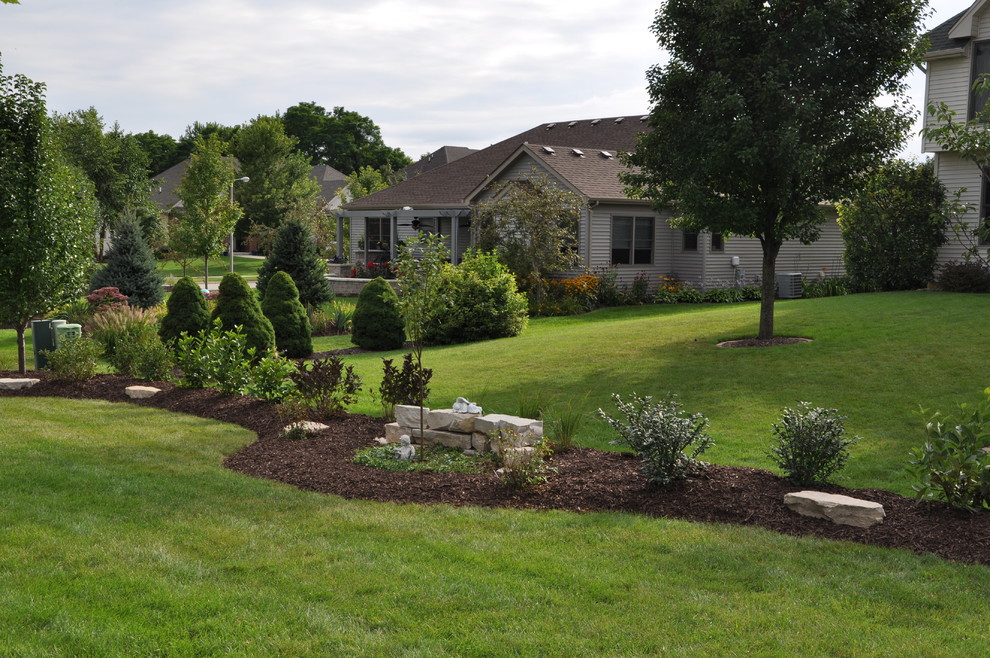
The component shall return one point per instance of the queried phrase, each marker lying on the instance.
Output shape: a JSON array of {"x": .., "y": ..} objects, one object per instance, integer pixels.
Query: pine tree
[
  {"x": 294, "y": 252},
  {"x": 187, "y": 311},
  {"x": 376, "y": 324},
  {"x": 131, "y": 268},
  {"x": 293, "y": 334},
  {"x": 237, "y": 305}
]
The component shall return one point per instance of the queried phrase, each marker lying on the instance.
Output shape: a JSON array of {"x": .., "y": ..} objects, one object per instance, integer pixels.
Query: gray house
[
  {"x": 615, "y": 230},
  {"x": 958, "y": 55}
]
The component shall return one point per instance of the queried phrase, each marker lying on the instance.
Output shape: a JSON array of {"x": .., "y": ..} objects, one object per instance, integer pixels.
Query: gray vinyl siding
[
  {"x": 947, "y": 81},
  {"x": 958, "y": 174}
]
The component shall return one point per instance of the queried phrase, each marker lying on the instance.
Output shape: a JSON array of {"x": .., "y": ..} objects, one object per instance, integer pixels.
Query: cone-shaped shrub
[
  {"x": 293, "y": 335},
  {"x": 237, "y": 305},
  {"x": 376, "y": 324},
  {"x": 294, "y": 252},
  {"x": 131, "y": 267},
  {"x": 187, "y": 311}
]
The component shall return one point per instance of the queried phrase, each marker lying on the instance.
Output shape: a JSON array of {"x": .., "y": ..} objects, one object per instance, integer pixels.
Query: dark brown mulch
[{"x": 586, "y": 480}]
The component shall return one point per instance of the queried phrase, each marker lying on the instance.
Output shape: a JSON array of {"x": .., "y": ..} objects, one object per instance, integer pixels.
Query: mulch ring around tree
[{"x": 586, "y": 480}]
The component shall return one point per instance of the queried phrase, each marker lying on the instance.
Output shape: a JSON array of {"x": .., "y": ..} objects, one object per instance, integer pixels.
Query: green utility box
[
  {"x": 43, "y": 338},
  {"x": 65, "y": 332}
]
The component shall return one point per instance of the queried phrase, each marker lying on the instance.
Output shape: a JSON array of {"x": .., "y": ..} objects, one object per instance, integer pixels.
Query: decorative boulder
[
  {"x": 141, "y": 392},
  {"x": 840, "y": 509},
  {"x": 16, "y": 383}
]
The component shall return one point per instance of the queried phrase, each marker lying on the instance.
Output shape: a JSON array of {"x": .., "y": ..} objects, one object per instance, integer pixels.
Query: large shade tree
[
  {"x": 47, "y": 213},
  {"x": 767, "y": 109}
]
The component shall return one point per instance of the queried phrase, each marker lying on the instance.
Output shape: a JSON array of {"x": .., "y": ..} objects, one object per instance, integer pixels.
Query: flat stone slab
[
  {"x": 449, "y": 420},
  {"x": 16, "y": 383},
  {"x": 843, "y": 510},
  {"x": 407, "y": 415},
  {"x": 141, "y": 392}
]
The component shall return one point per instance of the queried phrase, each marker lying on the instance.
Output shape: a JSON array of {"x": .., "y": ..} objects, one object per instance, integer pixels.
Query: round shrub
[
  {"x": 376, "y": 324},
  {"x": 293, "y": 335},
  {"x": 294, "y": 252},
  {"x": 187, "y": 311},
  {"x": 131, "y": 267},
  {"x": 964, "y": 277},
  {"x": 480, "y": 302},
  {"x": 237, "y": 305},
  {"x": 810, "y": 444}
]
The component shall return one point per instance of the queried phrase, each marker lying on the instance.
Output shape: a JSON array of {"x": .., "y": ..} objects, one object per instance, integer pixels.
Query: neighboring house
[
  {"x": 443, "y": 155},
  {"x": 958, "y": 54},
  {"x": 615, "y": 230}
]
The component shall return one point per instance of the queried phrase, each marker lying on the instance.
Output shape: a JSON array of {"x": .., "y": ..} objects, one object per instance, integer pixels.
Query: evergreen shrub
[
  {"x": 187, "y": 312},
  {"x": 376, "y": 324},
  {"x": 237, "y": 306},
  {"x": 295, "y": 253},
  {"x": 810, "y": 444},
  {"x": 293, "y": 335},
  {"x": 964, "y": 277},
  {"x": 131, "y": 267}
]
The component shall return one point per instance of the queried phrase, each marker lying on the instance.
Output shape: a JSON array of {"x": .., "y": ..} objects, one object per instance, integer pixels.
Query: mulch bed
[{"x": 586, "y": 480}]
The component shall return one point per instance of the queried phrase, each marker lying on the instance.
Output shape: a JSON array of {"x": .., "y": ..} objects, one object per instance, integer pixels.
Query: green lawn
[
  {"x": 122, "y": 535},
  {"x": 243, "y": 265}
]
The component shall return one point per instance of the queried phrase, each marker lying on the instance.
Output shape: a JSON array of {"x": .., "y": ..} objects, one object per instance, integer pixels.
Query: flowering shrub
[
  {"x": 372, "y": 270},
  {"x": 104, "y": 299},
  {"x": 669, "y": 289},
  {"x": 570, "y": 296}
]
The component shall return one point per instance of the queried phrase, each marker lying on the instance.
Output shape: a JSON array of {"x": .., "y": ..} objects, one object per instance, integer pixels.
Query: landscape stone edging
[{"x": 464, "y": 431}]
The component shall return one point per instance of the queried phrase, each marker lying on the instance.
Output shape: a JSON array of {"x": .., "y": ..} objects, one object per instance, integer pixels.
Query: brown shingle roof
[
  {"x": 451, "y": 184},
  {"x": 440, "y": 157},
  {"x": 590, "y": 171}
]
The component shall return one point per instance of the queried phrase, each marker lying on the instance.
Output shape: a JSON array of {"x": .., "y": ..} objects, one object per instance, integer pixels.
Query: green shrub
[
  {"x": 661, "y": 433},
  {"x": 295, "y": 253},
  {"x": 270, "y": 378},
  {"x": 326, "y": 385},
  {"x": 376, "y": 324},
  {"x": 237, "y": 306},
  {"x": 954, "y": 464},
  {"x": 893, "y": 226},
  {"x": 810, "y": 444},
  {"x": 608, "y": 289},
  {"x": 563, "y": 423},
  {"x": 142, "y": 354},
  {"x": 78, "y": 311},
  {"x": 722, "y": 296},
  {"x": 689, "y": 295},
  {"x": 116, "y": 324},
  {"x": 74, "y": 359},
  {"x": 751, "y": 293},
  {"x": 131, "y": 267},
  {"x": 479, "y": 302},
  {"x": 215, "y": 358},
  {"x": 825, "y": 286},
  {"x": 638, "y": 291},
  {"x": 964, "y": 277},
  {"x": 293, "y": 336},
  {"x": 186, "y": 312},
  {"x": 402, "y": 386},
  {"x": 331, "y": 319},
  {"x": 435, "y": 458}
]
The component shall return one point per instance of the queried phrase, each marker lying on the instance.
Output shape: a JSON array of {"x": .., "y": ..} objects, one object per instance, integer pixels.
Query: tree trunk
[
  {"x": 21, "y": 349},
  {"x": 206, "y": 272},
  {"x": 768, "y": 288}
]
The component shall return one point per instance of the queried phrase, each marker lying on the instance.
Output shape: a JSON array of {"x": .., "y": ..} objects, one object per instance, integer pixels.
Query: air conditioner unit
[{"x": 789, "y": 285}]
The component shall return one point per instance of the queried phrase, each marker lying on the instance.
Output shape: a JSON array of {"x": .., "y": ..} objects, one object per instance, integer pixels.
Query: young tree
[
  {"x": 766, "y": 109},
  {"x": 187, "y": 311},
  {"x": 295, "y": 253},
  {"x": 293, "y": 334},
  {"x": 208, "y": 214},
  {"x": 131, "y": 268},
  {"x": 532, "y": 225},
  {"x": 362, "y": 182},
  {"x": 47, "y": 213},
  {"x": 892, "y": 227},
  {"x": 237, "y": 306},
  {"x": 278, "y": 174}
]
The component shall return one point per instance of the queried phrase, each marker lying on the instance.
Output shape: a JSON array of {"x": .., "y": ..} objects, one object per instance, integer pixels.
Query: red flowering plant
[
  {"x": 104, "y": 299},
  {"x": 371, "y": 270}
]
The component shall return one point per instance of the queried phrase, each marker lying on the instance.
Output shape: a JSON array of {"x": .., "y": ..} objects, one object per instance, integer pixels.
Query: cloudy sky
[{"x": 428, "y": 72}]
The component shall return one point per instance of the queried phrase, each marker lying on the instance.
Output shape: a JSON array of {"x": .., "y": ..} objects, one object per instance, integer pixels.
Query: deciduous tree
[
  {"x": 47, "y": 213},
  {"x": 767, "y": 108}
]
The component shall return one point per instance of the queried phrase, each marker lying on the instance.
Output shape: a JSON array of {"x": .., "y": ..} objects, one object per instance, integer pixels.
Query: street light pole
[{"x": 242, "y": 179}]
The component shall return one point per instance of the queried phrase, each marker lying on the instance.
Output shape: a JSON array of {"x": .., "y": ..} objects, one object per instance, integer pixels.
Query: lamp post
[{"x": 242, "y": 179}]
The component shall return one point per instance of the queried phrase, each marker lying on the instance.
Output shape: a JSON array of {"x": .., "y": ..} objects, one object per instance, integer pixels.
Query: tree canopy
[
  {"x": 47, "y": 213},
  {"x": 343, "y": 139},
  {"x": 766, "y": 109}
]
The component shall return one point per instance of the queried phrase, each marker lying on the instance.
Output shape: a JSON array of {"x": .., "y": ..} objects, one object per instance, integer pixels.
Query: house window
[
  {"x": 981, "y": 66},
  {"x": 718, "y": 244},
  {"x": 378, "y": 234},
  {"x": 690, "y": 241},
  {"x": 632, "y": 240}
]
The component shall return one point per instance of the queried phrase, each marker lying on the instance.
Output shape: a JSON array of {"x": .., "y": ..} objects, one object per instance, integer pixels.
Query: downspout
[
  {"x": 705, "y": 243},
  {"x": 591, "y": 208}
]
